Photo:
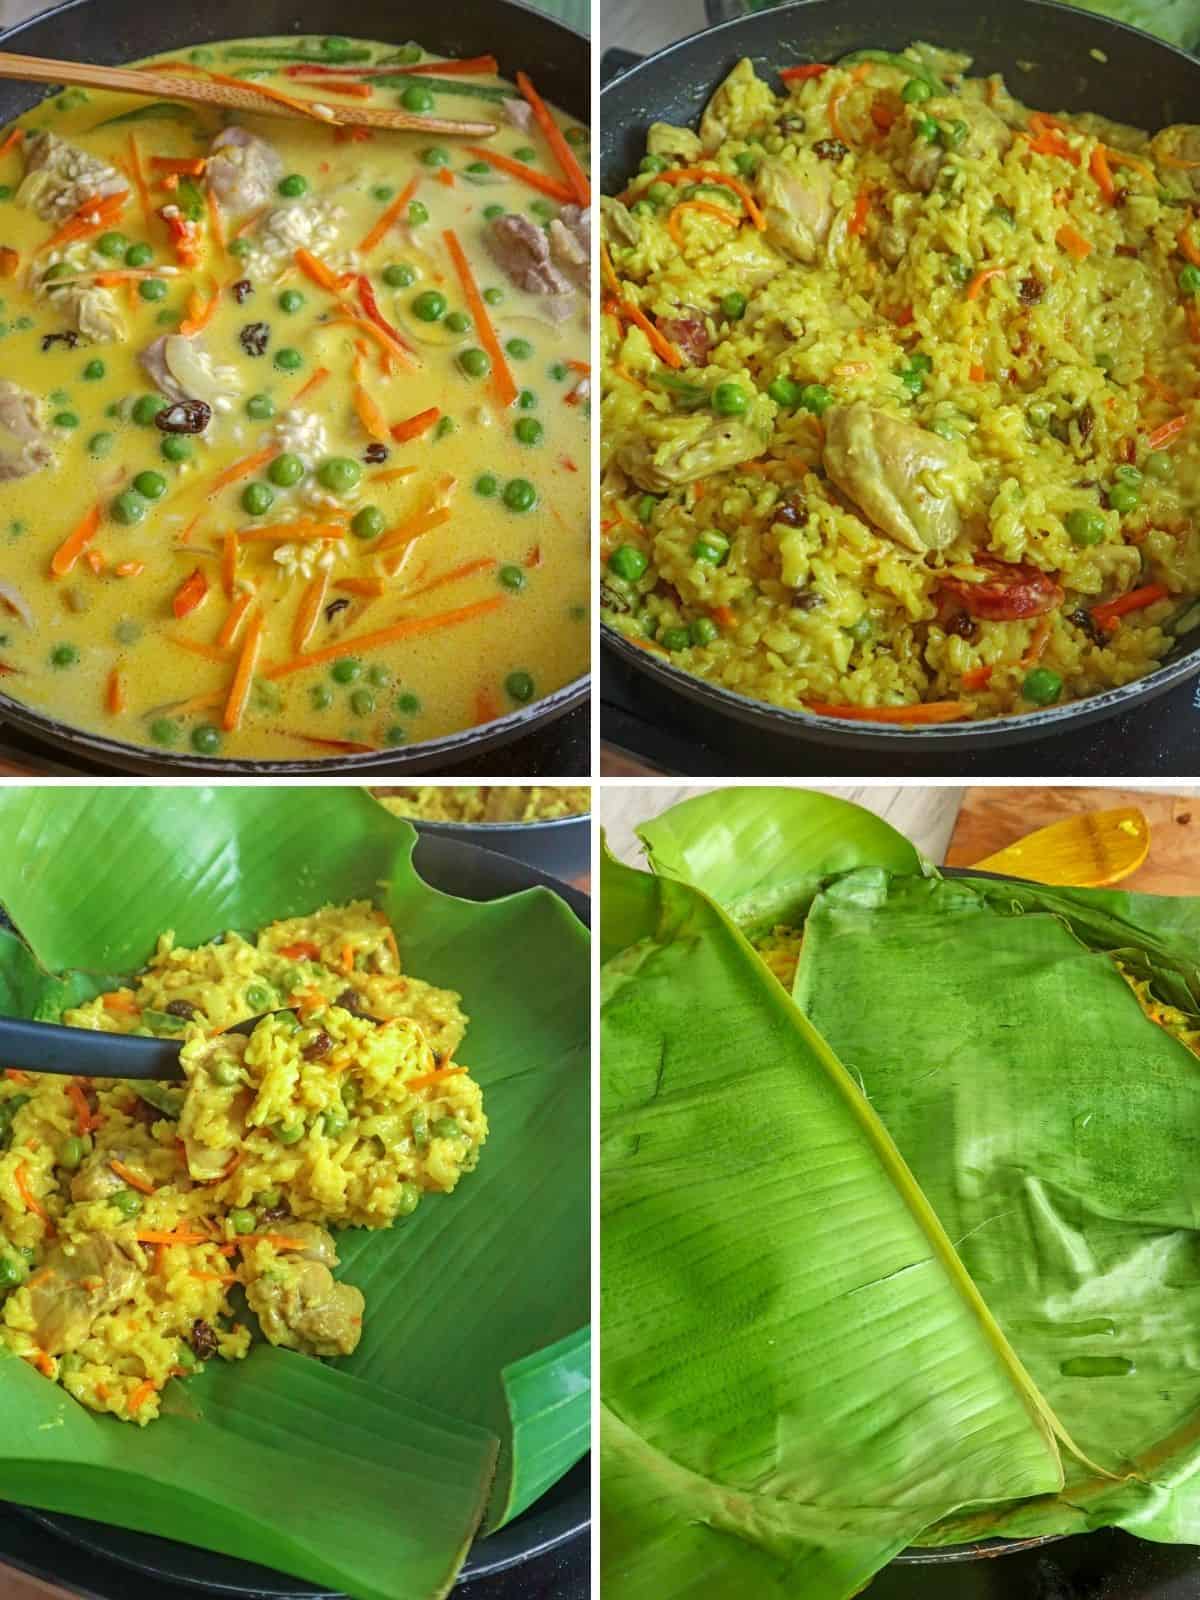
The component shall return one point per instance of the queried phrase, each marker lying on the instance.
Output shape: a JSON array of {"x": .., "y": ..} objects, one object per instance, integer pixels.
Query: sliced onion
[
  {"x": 16, "y": 601},
  {"x": 186, "y": 365}
]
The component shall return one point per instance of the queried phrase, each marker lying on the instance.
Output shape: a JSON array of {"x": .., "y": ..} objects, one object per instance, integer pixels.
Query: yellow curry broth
[{"x": 114, "y": 644}]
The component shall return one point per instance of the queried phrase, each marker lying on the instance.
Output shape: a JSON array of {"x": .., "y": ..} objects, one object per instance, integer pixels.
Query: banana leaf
[
  {"x": 468, "y": 1395},
  {"x": 763, "y": 853},
  {"x": 1055, "y": 1131},
  {"x": 797, "y": 1374}
]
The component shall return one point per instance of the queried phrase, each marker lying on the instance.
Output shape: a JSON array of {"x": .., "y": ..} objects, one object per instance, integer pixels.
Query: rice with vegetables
[
  {"x": 487, "y": 802},
  {"x": 135, "y": 1217},
  {"x": 899, "y": 419}
]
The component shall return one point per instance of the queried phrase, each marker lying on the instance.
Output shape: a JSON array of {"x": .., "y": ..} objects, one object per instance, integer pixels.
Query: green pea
[
  {"x": 286, "y": 470},
  {"x": 288, "y": 360},
  {"x": 139, "y": 255},
  {"x": 417, "y": 97},
  {"x": 1002, "y": 213},
  {"x": 64, "y": 655},
  {"x": 559, "y": 371},
  {"x": 487, "y": 484},
  {"x": 13, "y": 1271},
  {"x": 958, "y": 269},
  {"x": 339, "y": 474},
  {"x": 334, "y": 1123},
  {"x": 408, "y": 702},
  {"x": 408, "y": 1199},
  {"x": 368, "y": 523},
  {"x": 260, "y": 407},
  {"x": 429, "y": 306},
  {"x": 6, "y": 191},
  {"x": 71, "y": 1153},
  {"x": 703, "y": 631},
  {"x": 519, "y": 687},
  {"x": 953, "y": 135},
  {"x": 712, "y": 549},
  {"x": 1038, "y": 414},
  {"x": 920, "y": 362},
  {"x": 293, "y": 186},
  {"x": 94, "y": 371},
  {"x": 916, "y": 90},
  {"x": 653, "y": 164},
  {"x": 345, "y": 670},
  {"x": 242, "y": 1220},
  {"x": 152, "y": 289},
  {"x": 458, "y": 322},
  {"x": 290, "y": 1133},
  {"x": 258, "y": 997},
  {"x": 519, "y": 349},
  {"x": 1159, "y": 465},
  {"x": 528, "y": 430},
  {"x": 350, "y": 1094},
  {"x": 1189, "y": 280},
  {"x": 417, "y": 214},
  {"x": 239, "y": 247},
  {"x": 1128, "y": 475},
  {"x": 733, "y": 304},
  {"x": 399, "y": 275},
  {"x": 1042, "y": 686},
  {"x": 382, "y": 192},
  {"x": 447, "y": 1128},
  {"x": 519, "y": 494},
  {"x": 66, "y": 419},
  {"x": 127, "y": 1201},
  {"x": 527, "y": 400},
  {"x": 396, "y": 734},
  {"x": 543, "y": 209},
  {"x": 185, "y": 1356},
  {"x": 112, "y": 245},
  {"x": 914, "y": 382},
  {"x": 150, "y": 485},
  {"x": 435, "y": 156},
  {"x": 512, "y": 578},
  {"x": 206, "y": 738},
  {"x": 475, "y": 363},
  {"x": 746, "y": 163},
  {"x": 225, "y": 1074},
  {"x": 676, "y": 639},
  {"x": 175, "y": 448},
  {"x": 268, "y": 1199},
  {"x": 1106, "y": 361},
  {"x": 1085, "y": 527},
  {"x": 491, "y": 212},
  {"x": 927, "y": 129},
  {"x": 643, "y": 208},
  {"x": 660, "y": 194},
  {"x": 338, "y": 48},
  {"x": 128, "y": 508},
  {"x": 445, "y": 425},
  {"x": 290, "y": 301},
  {"x": 815, "y": 397},
  {"x": 257, "y": 498},
  {"x": 785, "y": 392},
  {"x": 1124, "y": 497},
  {"x": 628, "y": 562},
  {"x": 379, "y": 675},
  {"x": 409, "y": 54},
  {"x": 164, "y": 730},
  {"x": 146, "y": 407}
]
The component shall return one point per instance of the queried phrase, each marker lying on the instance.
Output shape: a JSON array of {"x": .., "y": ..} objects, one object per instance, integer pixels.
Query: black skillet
[
  {"x": 563, "y": 1513},
  {"x": 111, "y": 32},
  {"x": 1045, "y": 52}
]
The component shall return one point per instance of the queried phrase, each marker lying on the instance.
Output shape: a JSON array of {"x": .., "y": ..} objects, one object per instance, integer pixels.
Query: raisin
[
  {"x": 831, "y": 150},
  {"x": 180, "y": 1008},
  {"x": 351, "y": 1000},
  {"x": 202, "y": 1339},
  {"x": 374, "y": 454},
  {"x": 334, "y": 608},
  {"x": 1030, "y": 291},
  {"x": 70, "y": 338},
  {"x": 254, "y": 337},
  {"x": 321, "y": 1046},
  {"x": 241, "y": 289},
  {"x": 185, "y": 416},
  {"x": 963, "y": 626}
]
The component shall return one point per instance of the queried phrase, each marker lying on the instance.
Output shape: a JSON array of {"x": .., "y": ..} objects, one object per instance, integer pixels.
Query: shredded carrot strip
[
  {"x": 118, "y": 1001},
  {"x": 190, "y": 593},
  {"x": 412, "y": 428},
  {"x": 723, "y": 616},
  {"x": 1187, "y": 247},
  {"x": 503, "y": 385},
  {"x": 445, "y": 177},
  {"x": 673, "y": 224},
  {"x": 1136, "y": 600},
  {"x": 563, "y": 154},
  {"x": 216, "y": 221},
  {"x": 200, "y": 312},
  {"x": 308, "y": 611},
  {"x": 21, "y": 1178},
  {"x": 189, "y": 167},
  {"x": 84, "y": 1121},
  {"x": 977, "y": 374},
  {"x": 368, "y": 588},
  {"x": 315, "y": 382},
  {"x": 357, "y": 91},
  {"x": 977, "y": 677},
  {"x": 302, "y": 948},
  {"x": 706, "y": 175},
  {"x": 1073, "y": 242},
  {"x": 239, "y": 691},
  {"x": 487, "y": 705},
  {"x": 1176, "y": 162},
  {"x": 244, "y": 468},
  {"x": 43, "y": 1363},
  {"x": 389, "y": 218},
  {"x": 314, "y": 268},
  {"x": 114, "y": 694},
  {"x": 837, "y": 94},
  {"x": 196, "y": 647},
  {"x": 161, "y": 1236},
  {"x": 814, "y": 69},
  {"x": 372, "y": 418},
  {"x": 427, "y": 1079},
  {"x": 133, "y": 1179},
  {"x": 554, "y": 187},
  {"x": 15, "y": 1075},
  {"x": 65, "y": 557},
  {"x": 139, "y": 1396},
  {"x": 87, "y": 219},
  {"x": 10, "y": 262},
  {"x": 930, "y": 711},
  {"x": 661, "y": 345},
  {"x": 1100, "y": 170},
  {"x": 1037, "y": 643},
  {"x": 391, "y": 635},
  {"x": 11, "y": 142},
  {"x": 394, "y": 474},
  {"x": 405, "y": 532},
  {"x": 229, "y": 562},
  {"x": 455, "y": 575},
  {"x": 1166, "y": 432},
  {"x": 129, "y": 569},
  {"x": 364, "y": 324},
  {"x": 1118, "y": 158},
  {"x": 975, "y": 287},
  {"x": 346, "y": 957}
]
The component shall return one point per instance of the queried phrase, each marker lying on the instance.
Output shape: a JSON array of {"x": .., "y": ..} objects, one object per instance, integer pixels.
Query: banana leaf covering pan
[
  {"x": 913, "y": 1227},
  {"x": 113, "y": 32},
  {"x": 1056, "y": 57},
  {"x": 464, "y": 1416}
]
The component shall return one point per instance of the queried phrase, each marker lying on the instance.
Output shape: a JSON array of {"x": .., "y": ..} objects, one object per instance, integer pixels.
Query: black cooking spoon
[{"x": 86, "y": 1053}]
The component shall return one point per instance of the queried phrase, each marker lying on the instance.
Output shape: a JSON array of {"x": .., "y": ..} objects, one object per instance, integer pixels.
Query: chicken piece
[
  {"x": 618, "y": 222},
  {"x": 213, "y": 1120},
  {"x": 298, "y": 1301},
  {"x": 570, "y": 236},
  {"x": 668, "y": 451},
  {"x": 664, "y": 139},
  {"x": 797, "y": 204},
  {"x": 243, "y": 171},
  {"x": 892, "y": 244},
  {"x": 522, "y": 250},
  {"x": 689, "y": 334},
  {"x": 60, "y": 177},
  {"x": 742, "y": 101},
  {"x": 89, "y": 309},
  {"x": 20, "y": 417},
  {"x": 77, "y": 1285},
  {"x": 519, "y": 113},
  {"x": 1179, "y": 142},
  {"x": 986, "y": 135},
  {"x": 96, "y": 1179},
  {"x": 894, "y": 472}
]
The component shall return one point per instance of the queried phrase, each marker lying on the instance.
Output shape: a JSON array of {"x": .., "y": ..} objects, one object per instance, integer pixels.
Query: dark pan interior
[
  {"x": 114, "y": 31},
  {"x": 1045, "y": 52}
]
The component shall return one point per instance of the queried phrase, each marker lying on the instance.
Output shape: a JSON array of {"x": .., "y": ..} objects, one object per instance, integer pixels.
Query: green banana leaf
[
  {"x": 1055, "y": 1130},
  {"x": 762, "y": 853},
  {"x": 468, "y": 1395},
  {"x": 798, "y": 1375}
]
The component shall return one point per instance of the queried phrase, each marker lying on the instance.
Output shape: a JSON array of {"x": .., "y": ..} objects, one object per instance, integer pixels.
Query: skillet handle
[{"x": 85, "y": 1052}]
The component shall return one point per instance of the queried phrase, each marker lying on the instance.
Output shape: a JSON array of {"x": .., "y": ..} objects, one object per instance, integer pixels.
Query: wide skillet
[
  {"x": 117, "y": 31},
  {"x": 1048, "y": 52}
]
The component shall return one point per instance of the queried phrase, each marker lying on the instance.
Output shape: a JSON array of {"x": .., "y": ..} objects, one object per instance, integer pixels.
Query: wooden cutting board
[{"x": 990, "y": 819}]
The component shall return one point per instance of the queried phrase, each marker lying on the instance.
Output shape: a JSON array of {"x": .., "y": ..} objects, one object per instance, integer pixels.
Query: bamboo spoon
[
  {"x": 164, "y": 85},
  {"x": 1090, "y": 851}
]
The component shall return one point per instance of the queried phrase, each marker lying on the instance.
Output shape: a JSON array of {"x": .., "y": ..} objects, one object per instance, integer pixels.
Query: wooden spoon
[
  {"x": 1089, "y": 851},
  {"x": 202, "y": 90}
]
